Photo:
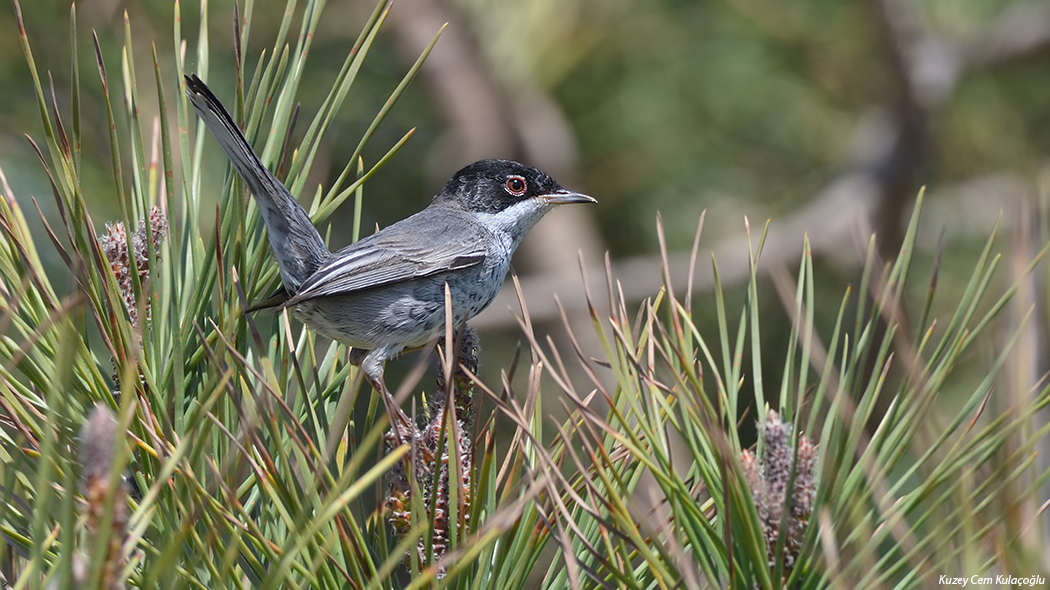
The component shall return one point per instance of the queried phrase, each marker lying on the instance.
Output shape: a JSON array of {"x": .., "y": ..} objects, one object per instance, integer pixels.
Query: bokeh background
[{"x": 824, "y": 117}]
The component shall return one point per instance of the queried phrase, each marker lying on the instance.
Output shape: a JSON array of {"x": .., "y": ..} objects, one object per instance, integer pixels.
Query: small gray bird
[{"x": 386, "y": 293}]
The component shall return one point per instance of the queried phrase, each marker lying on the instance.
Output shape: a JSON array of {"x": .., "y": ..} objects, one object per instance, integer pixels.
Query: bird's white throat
[{"x": 511, "y": 224}]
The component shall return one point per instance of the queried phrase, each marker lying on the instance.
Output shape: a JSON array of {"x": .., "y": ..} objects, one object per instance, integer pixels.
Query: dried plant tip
[
  {"x": 769, "y": 477},
  {"x": 432, "y": 457},
  {"x": 466, "y": 357},
  {"x": 98, "y": 440},
  {"x": 114, "y": 246}
]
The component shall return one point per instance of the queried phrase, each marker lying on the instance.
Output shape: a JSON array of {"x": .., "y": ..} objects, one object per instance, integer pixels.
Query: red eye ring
[{"x": 515, "y": 185}]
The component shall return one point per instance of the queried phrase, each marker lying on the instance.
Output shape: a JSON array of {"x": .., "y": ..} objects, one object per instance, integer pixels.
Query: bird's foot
[{"x": 401, "y": 427}]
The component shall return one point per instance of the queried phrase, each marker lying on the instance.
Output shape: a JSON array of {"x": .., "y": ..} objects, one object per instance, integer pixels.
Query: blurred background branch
[{"x": 489, "y": 117}]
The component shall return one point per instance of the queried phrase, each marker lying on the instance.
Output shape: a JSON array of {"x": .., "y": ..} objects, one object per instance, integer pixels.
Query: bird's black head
[{"x": 491, "y": 186}]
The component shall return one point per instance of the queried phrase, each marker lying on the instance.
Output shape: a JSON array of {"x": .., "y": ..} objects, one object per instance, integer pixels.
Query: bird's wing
[{"x": 413, "y": 248}]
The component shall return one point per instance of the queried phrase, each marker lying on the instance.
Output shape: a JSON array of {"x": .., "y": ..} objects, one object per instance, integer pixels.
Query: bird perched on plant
[{"x": 386, "y": 293}]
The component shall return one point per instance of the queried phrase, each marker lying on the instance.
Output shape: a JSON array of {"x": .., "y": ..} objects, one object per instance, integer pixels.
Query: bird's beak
[{"x": 564, "y": 197}]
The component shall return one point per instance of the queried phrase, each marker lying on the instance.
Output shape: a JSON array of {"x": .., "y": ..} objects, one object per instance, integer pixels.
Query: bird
[{"x": 385, "y": 293}]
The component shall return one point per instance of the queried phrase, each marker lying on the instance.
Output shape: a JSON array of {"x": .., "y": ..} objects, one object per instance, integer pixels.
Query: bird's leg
[
  {"x": 371, "y": 362},
  {"x": 372, "y": 366},
  {"x": 400, "y": 424}
]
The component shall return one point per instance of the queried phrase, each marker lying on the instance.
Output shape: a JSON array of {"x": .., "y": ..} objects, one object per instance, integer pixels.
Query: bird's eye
[{"x": 515, "y": 185}]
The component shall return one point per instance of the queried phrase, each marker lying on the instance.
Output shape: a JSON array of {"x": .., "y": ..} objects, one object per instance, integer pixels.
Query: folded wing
[{"x": 413, "y": 248}]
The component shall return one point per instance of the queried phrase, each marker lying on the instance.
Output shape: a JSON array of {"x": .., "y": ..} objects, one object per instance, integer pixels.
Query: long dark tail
[{"x": 293, "y": 238}]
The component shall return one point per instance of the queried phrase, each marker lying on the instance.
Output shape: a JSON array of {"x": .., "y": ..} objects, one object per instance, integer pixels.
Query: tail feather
[
  {"x": 276, "y": 300},
  {"x": 293, "y": 238}
]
